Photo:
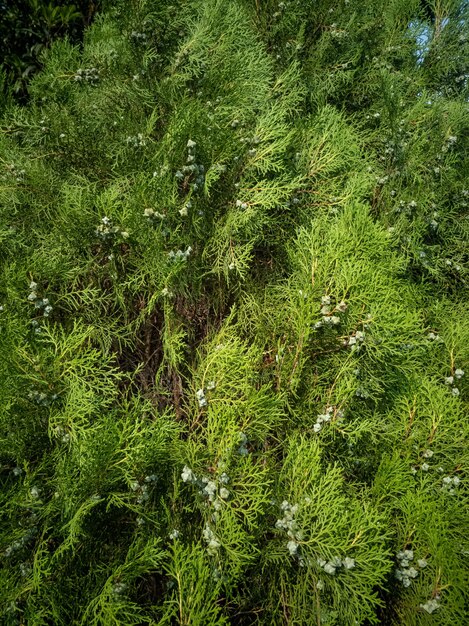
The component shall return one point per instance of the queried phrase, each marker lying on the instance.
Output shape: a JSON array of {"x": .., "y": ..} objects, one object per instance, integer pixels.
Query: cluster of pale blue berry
[
  {"x": 136, "y": 141},
  {"x": 211, "y": 540},
  {"x": 251, "y": 141},
  {"x": 108, "y": 232},
  {"x": 294, "y": 201},
  {"x": 337, "y": 33},
  {"x": 15, "y": 172},
  {"x": 243, "y": 449},
  {"x": 362, "y": 392},
  {"x": 426, "y": 454},
  {"x": 90, "y": 76},
  {"x": 281, "y": 7},
  {"x": 381, "y": 180},
  {"x": 324, "y": 418},
  {"x": 201, "y": 399},
  {"x": 39, "y": 303},
  {"x": 167, "y": 293},
  {"x": 20, "y": 543},
  {"x": 141, "y": 489},
  {"x": 449, "y": 263},
  {"x": 35, "y": 492},
  {"x": 449, "y": 380},
  {"x": 213, "y": 489},
  {"x": 241, "y": 204},
  {"x": 336, "y": 563},
  {"x": 137, "y": 37},
  {"x": 405, "y": 572},
  {"x": 431, "y": 605},
  {"x": 61, "y": 433},
  {"x": 200, "y": 394},
  {"x": 180, "y": 255},
  {"x": 153, "y": 216},
  {"x": 289, "y": 524},
  {"x": 184, "y": 211},
  {"x": 25, "y": 569},
  {"x": 193, "y": 170},
  {"x": 328, "y": 311},
  {"x": 432, "y": 221},
  {"x": 118, "y": 589},
  {"x": 41, "y": 398},
  {"x": 449, "y": 143},
  {"x": 449, "y": 483},
  {"x": 210, "y": 104},
  {"x": 391, "y": 149},
  {"x": 355, "y": 341},
  {"x": 408, "y": 208}
]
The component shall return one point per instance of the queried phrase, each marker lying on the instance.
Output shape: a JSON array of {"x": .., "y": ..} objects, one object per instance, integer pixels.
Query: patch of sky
[{"x": 422, "y": 33}]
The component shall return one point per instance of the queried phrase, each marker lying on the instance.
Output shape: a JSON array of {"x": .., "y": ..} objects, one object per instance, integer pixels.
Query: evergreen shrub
[{"x": 234, "y": 321}]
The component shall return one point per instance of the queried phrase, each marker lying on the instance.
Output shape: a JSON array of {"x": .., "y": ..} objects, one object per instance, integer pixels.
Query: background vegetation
[{"x": 28, "y": 27}]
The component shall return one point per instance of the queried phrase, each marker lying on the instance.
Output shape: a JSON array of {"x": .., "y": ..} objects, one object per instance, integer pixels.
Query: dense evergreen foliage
[
  {"x": 27, "y": 27},
  {"x": 234, "y": 318}
]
